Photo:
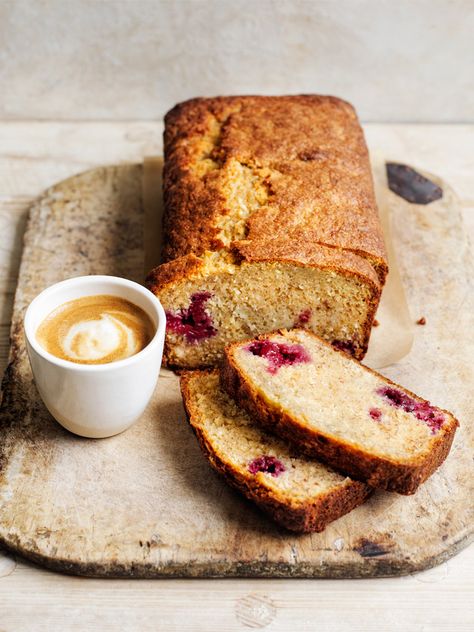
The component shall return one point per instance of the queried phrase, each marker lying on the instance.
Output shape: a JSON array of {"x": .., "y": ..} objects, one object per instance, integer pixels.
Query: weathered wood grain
[{"x": 145, "y": 503}]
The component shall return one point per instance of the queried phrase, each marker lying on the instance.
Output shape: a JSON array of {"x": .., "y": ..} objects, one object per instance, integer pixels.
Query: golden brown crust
[
  {"x": 173, "y": 272},
  {"x": 376, "y": 471},
  {"x": 308, "y": 151},
  {"x": 302, "y": 253},
  {"x": 297, "y": 516},
  {"x": 303, "y": 250}
]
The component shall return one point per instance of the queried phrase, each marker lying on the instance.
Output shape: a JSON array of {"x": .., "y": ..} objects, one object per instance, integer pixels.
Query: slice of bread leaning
[
  {"x": 337, "y": 410},
  {"x": 299, "y": 493}
]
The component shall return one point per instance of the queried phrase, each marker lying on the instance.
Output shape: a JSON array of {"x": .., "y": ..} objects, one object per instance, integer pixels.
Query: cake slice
[
  {"x": 335, "y": 409},
  {"x": 297, "y": 492},
  {"x": 216, "y": 299}
]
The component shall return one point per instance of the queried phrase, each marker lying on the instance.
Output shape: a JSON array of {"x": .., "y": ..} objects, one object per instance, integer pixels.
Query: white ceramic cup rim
[{"x": 159, "y": 313}]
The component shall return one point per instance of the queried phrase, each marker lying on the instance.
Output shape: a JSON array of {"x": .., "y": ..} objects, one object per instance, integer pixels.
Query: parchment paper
[{"x": 393, "y": 338}]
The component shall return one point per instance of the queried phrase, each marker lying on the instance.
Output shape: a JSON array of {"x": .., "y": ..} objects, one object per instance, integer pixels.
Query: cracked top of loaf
[{"x": 247, "y": 173}]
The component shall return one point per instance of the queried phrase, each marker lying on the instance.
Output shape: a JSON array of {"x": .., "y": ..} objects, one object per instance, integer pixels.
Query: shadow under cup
[{"x": 95, "y": 400}]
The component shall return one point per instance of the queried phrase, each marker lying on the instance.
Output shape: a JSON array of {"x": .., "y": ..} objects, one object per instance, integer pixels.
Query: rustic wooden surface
[
  {"x": 268, "y": 607},
  {"x": 145, "y": 503}
]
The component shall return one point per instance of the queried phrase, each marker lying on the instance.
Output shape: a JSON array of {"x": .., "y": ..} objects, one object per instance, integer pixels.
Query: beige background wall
[{"x": 396, "y": 60}]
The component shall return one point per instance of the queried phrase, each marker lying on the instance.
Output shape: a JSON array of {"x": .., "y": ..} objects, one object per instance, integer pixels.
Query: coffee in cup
[{"x": 95, "y": 330}]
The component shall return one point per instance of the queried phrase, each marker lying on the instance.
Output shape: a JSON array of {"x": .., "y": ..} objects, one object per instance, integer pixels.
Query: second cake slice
[
  {"x": 337, "y": 410},
  {"x": 298, "y": 493}
]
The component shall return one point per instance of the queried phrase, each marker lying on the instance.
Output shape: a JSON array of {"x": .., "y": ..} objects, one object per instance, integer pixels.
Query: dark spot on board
[
  {"x": 445, "y": 537},
  {"x": 421, "y": 321},
  {"x": 367, "y": 548},
  {"x": 411, "y": 185}
]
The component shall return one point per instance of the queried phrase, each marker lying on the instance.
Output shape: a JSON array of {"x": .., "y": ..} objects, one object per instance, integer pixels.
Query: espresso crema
[{"x": 95, "y": 330}]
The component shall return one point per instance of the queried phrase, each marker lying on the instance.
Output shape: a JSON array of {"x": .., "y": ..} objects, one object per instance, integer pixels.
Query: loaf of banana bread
[
  {"x": 270, "y": 221},
  {"x": 299, "y": 493},
  {"x": 335, "y": 409}
]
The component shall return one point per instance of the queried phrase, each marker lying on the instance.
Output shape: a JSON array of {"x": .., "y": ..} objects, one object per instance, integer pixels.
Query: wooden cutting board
[{"x": 146, "y": 503}]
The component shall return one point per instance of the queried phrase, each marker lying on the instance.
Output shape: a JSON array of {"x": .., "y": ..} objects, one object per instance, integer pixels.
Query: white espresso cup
[{"x": 95, "y": 400}]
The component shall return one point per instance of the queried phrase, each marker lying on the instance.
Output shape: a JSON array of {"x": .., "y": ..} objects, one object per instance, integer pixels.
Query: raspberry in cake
[
  {"x": 267, "y": 465},
  {"x": 192, "y": 322},
  {"x": 278, "y": 354}
]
